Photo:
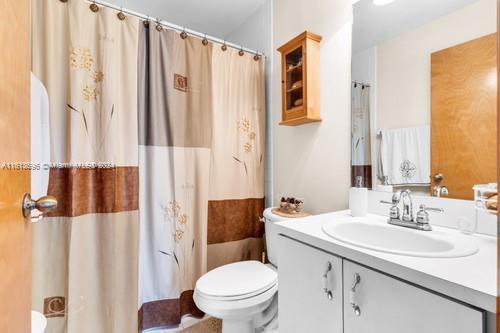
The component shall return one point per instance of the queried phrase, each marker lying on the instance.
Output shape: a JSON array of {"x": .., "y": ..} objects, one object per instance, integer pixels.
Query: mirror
[{"x": 424, "y": 96}]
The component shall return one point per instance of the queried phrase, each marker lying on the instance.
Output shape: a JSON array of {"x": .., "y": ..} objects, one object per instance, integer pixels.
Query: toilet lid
[{"x": 241, "y": 279}]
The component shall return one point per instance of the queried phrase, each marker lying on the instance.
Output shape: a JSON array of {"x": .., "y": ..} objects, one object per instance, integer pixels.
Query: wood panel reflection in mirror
[{"x": 463, "y": 113}]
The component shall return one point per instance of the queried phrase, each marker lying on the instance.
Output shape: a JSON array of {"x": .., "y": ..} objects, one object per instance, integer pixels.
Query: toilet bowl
[
  {"x": 243, "y": 294},
  {"x": 38, "y": 322}
]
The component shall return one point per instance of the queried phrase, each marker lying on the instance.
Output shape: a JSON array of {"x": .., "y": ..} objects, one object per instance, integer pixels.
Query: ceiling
[
  {"x": 216, "y": 18},
  {"x": 374, "y": 24}
]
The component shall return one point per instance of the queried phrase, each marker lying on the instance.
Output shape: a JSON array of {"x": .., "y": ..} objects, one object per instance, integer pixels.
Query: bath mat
[{"x": 209, "y": 325}]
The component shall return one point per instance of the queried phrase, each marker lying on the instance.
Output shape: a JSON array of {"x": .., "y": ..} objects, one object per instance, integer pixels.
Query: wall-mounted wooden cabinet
[{"x": 300, "y": 80}]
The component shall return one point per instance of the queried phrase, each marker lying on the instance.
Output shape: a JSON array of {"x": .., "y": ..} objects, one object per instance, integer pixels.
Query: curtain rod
[{"x": 175, "y": 27}]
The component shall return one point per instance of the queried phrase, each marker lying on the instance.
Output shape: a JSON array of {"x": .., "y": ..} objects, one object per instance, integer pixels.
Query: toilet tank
[{"x": 271, "y": 235}]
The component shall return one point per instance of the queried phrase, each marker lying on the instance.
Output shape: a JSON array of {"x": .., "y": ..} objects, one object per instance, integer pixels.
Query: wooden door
[
  {"x": 304, "y": 305},
  {"x": 391, "y": 306},
  {"x": 463, "y": 116},
  {"x": 15, "y": 233}
]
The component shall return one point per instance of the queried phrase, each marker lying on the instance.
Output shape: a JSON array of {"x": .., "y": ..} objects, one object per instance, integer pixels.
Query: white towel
[
  {"x": 40, "y": 138},
  {"x": 405, "y": 156}
]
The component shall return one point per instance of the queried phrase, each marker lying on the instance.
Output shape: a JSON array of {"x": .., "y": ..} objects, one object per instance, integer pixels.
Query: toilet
[
  {"x": 244, "y": 295},
  {"x": 38, "y": 322}
]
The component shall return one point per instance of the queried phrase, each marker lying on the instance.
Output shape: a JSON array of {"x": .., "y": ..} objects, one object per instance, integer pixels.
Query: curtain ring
[
  {"x": 158, "y": 25},
  {"x": 93, "y": 7},
  {"x": 121, "y": 16},
  {"x": 224, "y": 46},
  {"x": 146, "y": 22},
  {"x": 256, "y": 57},
  {"x": 241, "y": 53},
  {"x": 63, "y": 1},
  {"x": 184, "y": 34},
  {"x": 205, "y": 40}
]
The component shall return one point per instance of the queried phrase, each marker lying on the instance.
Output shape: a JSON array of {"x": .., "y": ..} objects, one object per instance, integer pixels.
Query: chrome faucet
[
  {"x": 405, "y": 197},
  {"x": 406, "y": 219}
]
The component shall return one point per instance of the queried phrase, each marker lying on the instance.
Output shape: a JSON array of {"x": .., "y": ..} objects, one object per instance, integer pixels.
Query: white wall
[
  {"x": 313, "y": 161},
  {"x": 404, "y": 62},
  {"x": 256, "y": 33}
]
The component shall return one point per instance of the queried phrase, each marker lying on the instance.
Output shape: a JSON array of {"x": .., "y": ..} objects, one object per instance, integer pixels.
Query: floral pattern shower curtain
[
  {"x": 236, "y": 198},
  {"x": 360, "y": 134},
  {"x": 85, "y": 254},
  {"x": 173, "y": 130},
  {"x": 174, "y": 135},
  {"x": 201, "y": 136}
]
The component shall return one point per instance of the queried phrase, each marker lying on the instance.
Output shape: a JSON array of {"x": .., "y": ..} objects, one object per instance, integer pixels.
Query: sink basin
[{"x": 375, "y": 234}]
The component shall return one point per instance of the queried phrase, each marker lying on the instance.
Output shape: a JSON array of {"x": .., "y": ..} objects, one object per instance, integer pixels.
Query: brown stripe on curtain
[
  {"x": 87, "y": 191},
  {"x": 167, "y": 312},
  {"x": 233, "y": 220}
]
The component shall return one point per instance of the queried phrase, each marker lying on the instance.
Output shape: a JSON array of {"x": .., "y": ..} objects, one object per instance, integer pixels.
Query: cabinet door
[
  {"x": 303, "y": 273},
  {"x": 388, "y": 305}
]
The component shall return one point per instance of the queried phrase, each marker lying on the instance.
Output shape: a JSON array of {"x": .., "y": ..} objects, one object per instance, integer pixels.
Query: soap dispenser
[{"x": 358, "y": 199}]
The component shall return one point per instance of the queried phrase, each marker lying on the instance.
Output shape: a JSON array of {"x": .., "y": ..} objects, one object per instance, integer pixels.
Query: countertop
[{"x": 471, "y": 279}]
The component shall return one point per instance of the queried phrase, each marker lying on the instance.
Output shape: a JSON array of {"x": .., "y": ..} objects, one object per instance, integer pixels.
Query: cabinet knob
[{"x": 328, "y": 292}]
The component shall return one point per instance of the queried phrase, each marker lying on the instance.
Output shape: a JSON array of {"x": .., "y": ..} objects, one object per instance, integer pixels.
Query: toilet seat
[
  {"x": 237, "y": 292},
  {"x": 237, "y": 281},
  {"x": 235, "y": 309}
]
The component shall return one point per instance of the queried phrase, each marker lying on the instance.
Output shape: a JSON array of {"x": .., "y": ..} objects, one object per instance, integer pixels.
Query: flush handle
[
  {"x": 328, "y": 292},
  {"x": 352, "y": 295},
  {"x": 44, "y": 204}
]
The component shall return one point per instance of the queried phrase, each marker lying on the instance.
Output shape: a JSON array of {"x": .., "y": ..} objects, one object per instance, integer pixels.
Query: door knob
[{"x": 44, "y": 204}]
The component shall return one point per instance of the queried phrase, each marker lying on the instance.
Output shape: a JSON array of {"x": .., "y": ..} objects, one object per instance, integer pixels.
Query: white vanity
[{"x": 438, "y": 281}]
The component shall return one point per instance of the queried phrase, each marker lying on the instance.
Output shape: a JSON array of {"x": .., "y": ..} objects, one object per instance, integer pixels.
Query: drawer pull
[
  {"x": 326, "y": 290},
  {"x": 352, "y": 295}
]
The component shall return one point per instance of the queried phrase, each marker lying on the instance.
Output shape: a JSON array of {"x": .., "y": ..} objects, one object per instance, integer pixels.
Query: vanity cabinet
[
  {"x": 389, "y": 305},
  {"x": 310, "y": 289},
  {"x": 376, "y": 303}
]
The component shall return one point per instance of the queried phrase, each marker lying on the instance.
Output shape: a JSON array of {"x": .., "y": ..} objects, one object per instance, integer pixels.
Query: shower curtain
[
  {"x": 158, "y": 151},
  {"x": 175, "y": 135},
  {"x": 201, "y": 136},
  {"x": 85, "y": 254},
  {"x": 360, "y": 134}
]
